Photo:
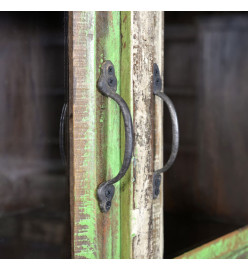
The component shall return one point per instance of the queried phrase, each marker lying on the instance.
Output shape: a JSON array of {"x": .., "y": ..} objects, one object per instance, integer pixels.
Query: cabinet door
[{"x": 133, "y": 42}]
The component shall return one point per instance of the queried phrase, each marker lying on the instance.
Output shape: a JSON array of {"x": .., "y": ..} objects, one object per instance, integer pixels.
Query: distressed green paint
[
  {"x": 230, "y": 246},
  {"x": 96, "y": 141},
  {"x": 86, "y": 233},
  {"x": 126, "y": 183},
  {"x": 100, "y": 147},
  {"x": 110, "y": 42}
]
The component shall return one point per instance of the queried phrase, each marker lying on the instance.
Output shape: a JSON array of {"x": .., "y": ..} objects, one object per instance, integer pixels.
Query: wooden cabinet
[{"x": 52, "y": 61}]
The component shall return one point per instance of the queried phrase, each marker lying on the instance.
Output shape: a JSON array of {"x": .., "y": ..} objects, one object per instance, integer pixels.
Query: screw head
[
  {"x": 110, "y": 70},
  {"x": 156, "y": 191},
  {"x": 108, "y": 193},
  {"x": 111, "y": 81},
  {"x": 108, "y": 205},
  {"x": 157, "y": 82},
  {"x": 157, "y": 181}
]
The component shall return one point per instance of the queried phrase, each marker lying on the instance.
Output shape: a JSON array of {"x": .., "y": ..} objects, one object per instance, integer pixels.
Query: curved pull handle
[
  {"x": 157, "y": 85},
  {"x": 107, "y": 84},
  {"x": 62, "y": 134}
]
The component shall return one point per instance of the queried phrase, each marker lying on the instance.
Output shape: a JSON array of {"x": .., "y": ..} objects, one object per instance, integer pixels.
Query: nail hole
[
  {"x": 108, "y": 205},
  {"x": 110, "y": 70}
]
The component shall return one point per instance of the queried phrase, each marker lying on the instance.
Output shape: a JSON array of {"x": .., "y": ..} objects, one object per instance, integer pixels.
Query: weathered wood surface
[
  {"x": 94, "y": 128},
  {"x": 231, "y": 246},
  {"x": 142, "y": 39},
  {"x": 134, "y": 226}
]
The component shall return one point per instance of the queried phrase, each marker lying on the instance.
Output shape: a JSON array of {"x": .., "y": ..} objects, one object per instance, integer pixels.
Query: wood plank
[
  {"x": 129, "y": 231},
  {"x": 94, "y": 133},
  {"x": 231, "y": 246},
  {"x": 142, "y": 39},
  {"x": 126, "y": 93}
]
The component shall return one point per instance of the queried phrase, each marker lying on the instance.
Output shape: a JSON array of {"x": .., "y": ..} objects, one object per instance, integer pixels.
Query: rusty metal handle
[
  {"x": 157, "y": 86},
  {"x": 107, "y": 85}
]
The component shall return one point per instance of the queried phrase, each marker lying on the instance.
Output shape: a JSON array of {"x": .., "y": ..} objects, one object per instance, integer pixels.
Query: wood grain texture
[
  {"x": 135, "y": 229},
  {"x": 94, "y": 133},
  {"x": 147, "y": 215},
  {"x": 231, "y": 246},
  {"x": 127, "y": 94},
  {"x": 223, "y": 100}
]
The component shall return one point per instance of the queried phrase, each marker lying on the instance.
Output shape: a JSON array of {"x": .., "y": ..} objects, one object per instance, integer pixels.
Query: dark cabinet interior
[
  {"x": 206, "y": 67},
  {"x": 34, "y": 204}
]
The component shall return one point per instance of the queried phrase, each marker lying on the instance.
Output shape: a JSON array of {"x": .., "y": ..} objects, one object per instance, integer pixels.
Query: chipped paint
[
  {"x": 141, "y": 46},
  {"x": 97, "y": 148},
  {"x": 126, "y": 93},
  {"x": 231, "y": 246},
  {"x": 147, "y": 223},
  {"x": 94, "y": 134}
]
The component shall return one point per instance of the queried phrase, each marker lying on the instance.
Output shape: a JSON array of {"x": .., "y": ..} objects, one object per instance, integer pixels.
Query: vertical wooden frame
[
  {"x": 94, "y": 124},
  {"x": 133, "y": 41},
  {"x": 142, "y": 46}
]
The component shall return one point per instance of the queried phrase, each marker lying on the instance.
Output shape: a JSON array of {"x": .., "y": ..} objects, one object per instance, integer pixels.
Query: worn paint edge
[
  {"x": 157, "y": 207},
  {"x": 112, "y": 44},
  {"x": 82, "y": 86},
  {"x": 126, "y": 93},
  {"x": 228, "y": 246}
]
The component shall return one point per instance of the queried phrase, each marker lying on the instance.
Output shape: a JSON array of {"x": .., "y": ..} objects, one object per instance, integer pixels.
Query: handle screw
[
  {"x": 111, "y": 82},
  {"x": 108, "y": 193},
  {"x": 157, "y": 82},
  {"x": 108, "y": 205},
  {"x": 156, "y": 192},
  {"x": 110, "y": 70}
]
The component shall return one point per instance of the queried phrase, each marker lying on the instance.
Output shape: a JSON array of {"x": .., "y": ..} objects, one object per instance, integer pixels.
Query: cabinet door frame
[{"x": 133, "y": 41}]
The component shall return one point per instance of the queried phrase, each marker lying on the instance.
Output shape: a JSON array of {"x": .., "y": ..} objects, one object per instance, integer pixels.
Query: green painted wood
[
  {"x": 108, "y": 48},
  {"x": 230, "y": 246},
  {"x": 131, "y": 40},
  {"x": 82, "y": 128},
  {"x": 141, "y": 217},
  {"x": 126, "y": 93},
  {"x": 94, "y": 134}
]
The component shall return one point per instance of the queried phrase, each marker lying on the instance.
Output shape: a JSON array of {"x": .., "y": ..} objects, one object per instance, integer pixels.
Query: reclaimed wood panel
[
  {"x": 126, "y": 93},
  {"x": 133, "y": 228},
  {"x": 94, "y": 133},
  {"x": 142, "y": 45},
  {"x": 231, "y": 246}
]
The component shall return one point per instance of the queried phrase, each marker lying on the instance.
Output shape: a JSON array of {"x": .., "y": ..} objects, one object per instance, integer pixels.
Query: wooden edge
[
  {"x": 126, "y": 93},
  {"x": 230, "y": 246},
  {"x": 94, "y": 126},
  {"x": 146, "y": 216},
  {"x": 70, "y": 54},
  {"x": 158, "y": 217}
]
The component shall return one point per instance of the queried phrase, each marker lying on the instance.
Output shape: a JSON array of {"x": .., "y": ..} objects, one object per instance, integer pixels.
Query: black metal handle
[
  {"x": 157, "y": 86},
  {"x": 107, "y": 84},
  {"x": 62, "y": 134}
]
